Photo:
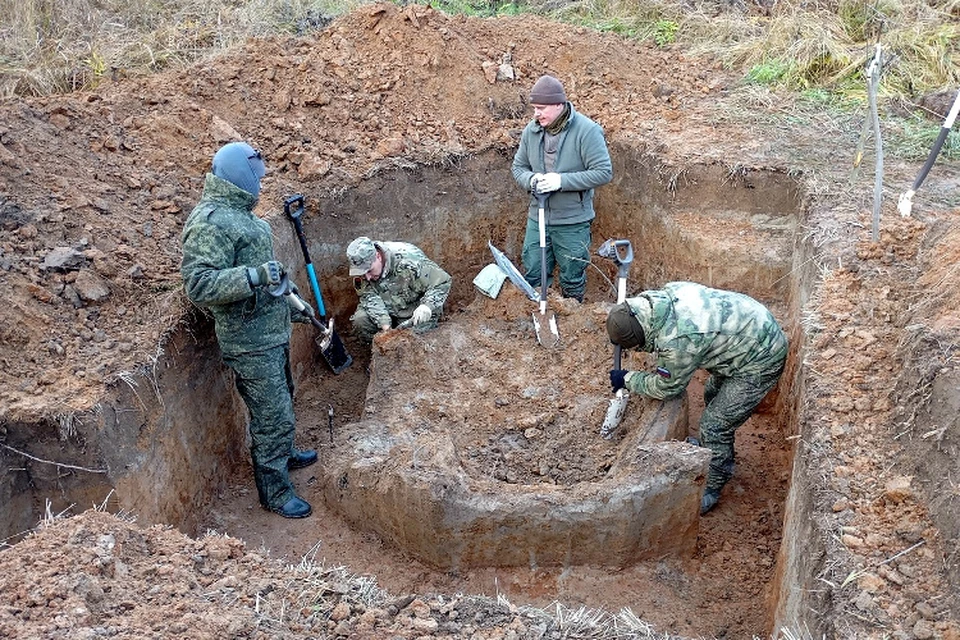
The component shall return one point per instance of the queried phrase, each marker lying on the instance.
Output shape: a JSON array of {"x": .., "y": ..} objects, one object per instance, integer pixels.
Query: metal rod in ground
[
  {"x": 330, "y": 421},
  {"x": 873, "y": 82}
]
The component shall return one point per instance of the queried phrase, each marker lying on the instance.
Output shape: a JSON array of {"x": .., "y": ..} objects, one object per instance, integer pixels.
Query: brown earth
[{"x": 94, "y": 189}]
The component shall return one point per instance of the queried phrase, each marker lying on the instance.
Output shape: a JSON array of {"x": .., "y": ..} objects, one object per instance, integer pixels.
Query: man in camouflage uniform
[
  {"x": 229, "y": 268},
  {"x": 397, "y": 285},
  {"x": 687, "y": 327}
]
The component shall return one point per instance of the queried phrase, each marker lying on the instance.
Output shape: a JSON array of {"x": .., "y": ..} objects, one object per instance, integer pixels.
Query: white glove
[
  {"x": 534, "y": 180},
  {"x": 421, "y": 314},
  {"x": 548, "y": 182}
]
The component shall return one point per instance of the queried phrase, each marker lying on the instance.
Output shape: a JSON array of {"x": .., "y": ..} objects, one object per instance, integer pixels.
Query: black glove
[{"x": 617, "y": 380}]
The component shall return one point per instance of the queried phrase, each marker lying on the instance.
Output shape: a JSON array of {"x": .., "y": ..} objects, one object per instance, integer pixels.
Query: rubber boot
[
  {"x": 301, "y": 459},
  {"x": 709, "y": 500},
  {"x": 295, "y": 508}
]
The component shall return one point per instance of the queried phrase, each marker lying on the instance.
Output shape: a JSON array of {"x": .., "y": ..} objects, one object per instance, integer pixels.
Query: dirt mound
[
  {"x": 525, "y": 425},
  {"x": 99, "y": 184},
  {"x": 102, "y": 576}
]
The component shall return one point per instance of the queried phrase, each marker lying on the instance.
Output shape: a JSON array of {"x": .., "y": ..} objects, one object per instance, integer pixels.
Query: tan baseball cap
[{"x": 361, "y": 253}]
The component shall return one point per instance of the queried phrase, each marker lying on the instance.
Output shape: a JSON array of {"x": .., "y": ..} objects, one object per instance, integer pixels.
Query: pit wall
[
  {"x": 646, "y": 506},
  {"x": 451, "y": 211},
  {"x": 798, "y": 595},
  {"x": 158, "y": 446},
  {"x": 679, "y": 220}
]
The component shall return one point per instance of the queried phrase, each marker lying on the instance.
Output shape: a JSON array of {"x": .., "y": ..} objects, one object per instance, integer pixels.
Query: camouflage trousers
[
  {"x": 729, "y": 402},
  {"x": 365, "y": 327},
  {"x": 265, "y": 383},
  {"x": 568, "y": 249}
]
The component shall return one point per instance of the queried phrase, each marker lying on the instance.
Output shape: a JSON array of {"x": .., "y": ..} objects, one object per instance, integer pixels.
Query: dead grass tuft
[{"x": 71, "y": 45}]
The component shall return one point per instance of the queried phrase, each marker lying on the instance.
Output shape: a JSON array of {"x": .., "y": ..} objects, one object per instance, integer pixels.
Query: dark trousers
[
  {"x": 568, "y": 249},
  {"x": 265, "y": 383}
]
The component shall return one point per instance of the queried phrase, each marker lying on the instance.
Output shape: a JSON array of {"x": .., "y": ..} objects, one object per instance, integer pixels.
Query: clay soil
[{"x": 94, "y": 189}]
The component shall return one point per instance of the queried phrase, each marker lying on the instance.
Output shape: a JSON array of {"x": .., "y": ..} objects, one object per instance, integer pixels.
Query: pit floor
[{"x": 722, "y": 591}]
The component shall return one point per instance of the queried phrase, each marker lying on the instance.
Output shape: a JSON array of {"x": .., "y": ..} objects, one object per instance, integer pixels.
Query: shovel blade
[
  {"x": 545, "y": 325},
  {"x": 332, "y": 349},
  {"x": 618, "y": 405},
  {"x": 334, "y": 353}
]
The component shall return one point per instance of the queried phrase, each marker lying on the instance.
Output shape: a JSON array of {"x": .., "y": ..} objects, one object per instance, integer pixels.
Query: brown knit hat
[
  {"x": 547, "y": 90},
  {"x": 623, "y": 327}
]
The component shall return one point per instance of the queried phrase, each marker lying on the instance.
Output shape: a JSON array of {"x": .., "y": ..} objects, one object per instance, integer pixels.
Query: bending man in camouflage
[
  {"x": 228, "y": 267},
  {"x": 397, "y": 284},
  {"x": 687, "y": 327}
]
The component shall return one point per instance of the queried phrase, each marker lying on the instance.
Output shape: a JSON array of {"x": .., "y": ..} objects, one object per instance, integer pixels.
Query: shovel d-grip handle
[
  {"x": 621, "y": 253},
  {"x": 624, "y": 252},
  {"x": 542, "y": 198},
  {"x": 288, "y": 207}
]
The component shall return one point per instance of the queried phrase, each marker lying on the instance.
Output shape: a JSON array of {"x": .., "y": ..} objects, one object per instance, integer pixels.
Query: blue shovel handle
[{"x": 293, "y": 207}]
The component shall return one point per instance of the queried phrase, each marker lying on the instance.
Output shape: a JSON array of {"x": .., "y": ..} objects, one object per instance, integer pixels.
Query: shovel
[
  {"x": 331, "y": 346},
  {"x": 544, "y": 318},
  {"x": 512, "y": 273},
  {"x": 621, "y": 252}
]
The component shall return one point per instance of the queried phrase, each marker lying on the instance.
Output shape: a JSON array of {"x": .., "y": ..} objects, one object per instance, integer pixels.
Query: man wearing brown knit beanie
[{"x": 564, "y": 154}]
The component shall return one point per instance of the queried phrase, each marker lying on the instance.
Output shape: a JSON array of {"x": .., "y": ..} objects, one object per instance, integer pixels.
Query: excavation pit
[
  {"x": 471, "y": 448},
  {"x": 471, "y": 453},
  {"x": 393, "y": 125}
]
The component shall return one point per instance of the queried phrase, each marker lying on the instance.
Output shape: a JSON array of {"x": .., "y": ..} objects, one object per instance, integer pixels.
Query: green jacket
[
  {"x": 582, "y": 160},
  {"x": 221, "y": 238},
  {"x": 409, "y": 279},
  {"x": 688, "y": 326}
]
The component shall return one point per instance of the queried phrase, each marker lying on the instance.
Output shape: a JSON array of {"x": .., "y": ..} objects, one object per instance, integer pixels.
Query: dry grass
[
  {"x": 815, "y": 44},
  {"x": 54, "y": 47},
  {"x": 69, "y": 45}
]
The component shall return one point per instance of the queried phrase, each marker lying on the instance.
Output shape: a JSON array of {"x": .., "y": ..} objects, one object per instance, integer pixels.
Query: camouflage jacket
[
  {"x": 688, "y": 326},
  {"x": 221, "y": 238},
  {"x": 409, "y": 279}
]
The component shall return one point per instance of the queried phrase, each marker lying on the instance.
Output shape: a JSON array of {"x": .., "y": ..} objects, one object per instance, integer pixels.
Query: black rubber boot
[
  {"x": 709, "y": 500},
  {"x": 301, "y": 459},
  {"x": 295, "y": 508}
]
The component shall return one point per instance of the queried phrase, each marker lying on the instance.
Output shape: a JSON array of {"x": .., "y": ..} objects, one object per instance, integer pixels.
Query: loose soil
[{"x": 94, "y": 189}]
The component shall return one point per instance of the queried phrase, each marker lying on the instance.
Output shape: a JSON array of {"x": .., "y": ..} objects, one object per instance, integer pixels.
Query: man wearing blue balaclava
[
  {"x": 241, "y": 165},
  {"x": 229, "y": 268}
]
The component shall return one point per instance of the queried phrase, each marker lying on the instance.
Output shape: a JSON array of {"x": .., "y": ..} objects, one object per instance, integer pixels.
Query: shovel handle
[
  {"x": 301, "y": 306},
  {"x": 541, "y": 198},
  {"x": 293, "y": 207},
  {"x": 542, "y": 228},
  {"x": 288, "y": 207}
]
